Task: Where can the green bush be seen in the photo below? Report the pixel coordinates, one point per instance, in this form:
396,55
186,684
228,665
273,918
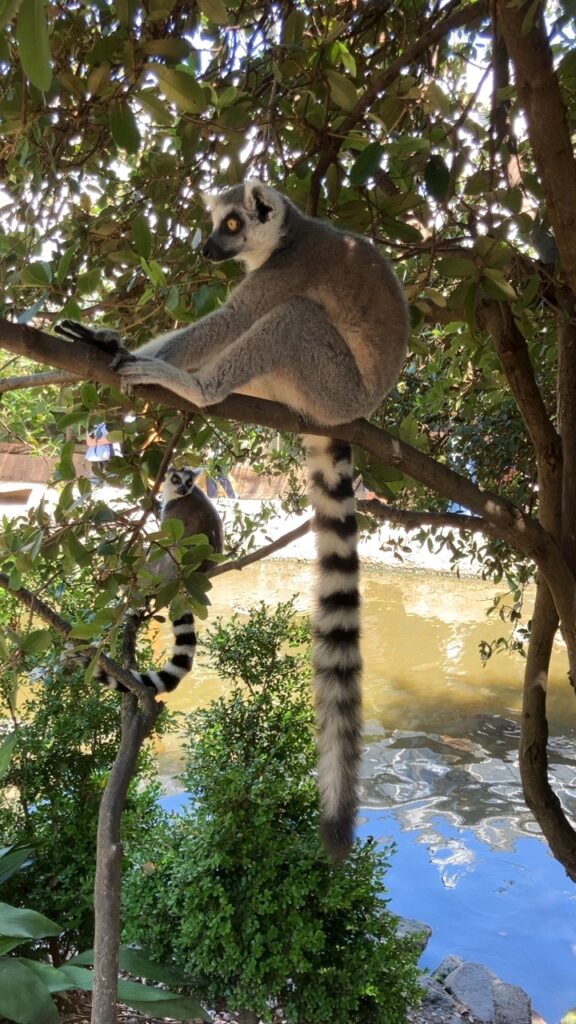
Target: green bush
240,893
66,734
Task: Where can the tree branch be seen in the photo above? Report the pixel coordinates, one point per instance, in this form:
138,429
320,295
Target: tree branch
540,95
507,521
412,520
37,380
380,82
51,617
512,349
268,549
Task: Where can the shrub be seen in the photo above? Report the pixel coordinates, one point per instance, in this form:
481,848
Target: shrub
66,737
240,893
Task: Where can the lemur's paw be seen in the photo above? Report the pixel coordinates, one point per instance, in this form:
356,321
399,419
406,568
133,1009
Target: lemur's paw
103,338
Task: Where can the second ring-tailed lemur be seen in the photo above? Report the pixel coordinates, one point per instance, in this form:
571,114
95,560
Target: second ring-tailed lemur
183,500
319,323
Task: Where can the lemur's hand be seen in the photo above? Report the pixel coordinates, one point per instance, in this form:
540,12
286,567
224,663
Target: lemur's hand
103,338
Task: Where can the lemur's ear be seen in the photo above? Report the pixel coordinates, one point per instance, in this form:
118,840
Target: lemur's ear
172,468
261,199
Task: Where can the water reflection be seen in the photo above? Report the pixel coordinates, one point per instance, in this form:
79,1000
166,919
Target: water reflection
440,773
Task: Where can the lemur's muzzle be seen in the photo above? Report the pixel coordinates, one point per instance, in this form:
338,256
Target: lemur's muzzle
213,251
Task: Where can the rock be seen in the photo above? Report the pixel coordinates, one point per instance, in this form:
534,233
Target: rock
435,995
471,984
511,1004
449,964
409,926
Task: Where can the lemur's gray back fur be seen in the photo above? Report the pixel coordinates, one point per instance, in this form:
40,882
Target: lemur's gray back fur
319,323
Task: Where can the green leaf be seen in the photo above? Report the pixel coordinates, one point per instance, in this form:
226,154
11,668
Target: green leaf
179,88
60,979
90,397
293,28
496,285
173,529
138,963
12,858
124,128
38,273
89,282
141,236
64,264
18,922
455,266
342,90
170,49
6,750
366,164
23,996
437,178
32,36
160,1001
214,10
37,641
65,468
85,630
8,9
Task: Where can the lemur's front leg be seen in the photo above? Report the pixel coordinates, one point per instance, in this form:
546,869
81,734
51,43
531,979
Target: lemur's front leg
134,368
111,342
147,370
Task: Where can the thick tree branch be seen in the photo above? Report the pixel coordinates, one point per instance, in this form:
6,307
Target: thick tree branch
512,349
138,721
538,792
507,521
541,98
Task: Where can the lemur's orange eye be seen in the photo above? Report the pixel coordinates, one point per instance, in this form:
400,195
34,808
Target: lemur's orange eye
232,224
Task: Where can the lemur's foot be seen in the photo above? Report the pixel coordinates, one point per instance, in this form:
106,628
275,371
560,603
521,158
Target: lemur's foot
103,338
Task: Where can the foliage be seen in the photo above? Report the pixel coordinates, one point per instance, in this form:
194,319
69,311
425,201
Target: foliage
239,892
64,735
116,116
28,981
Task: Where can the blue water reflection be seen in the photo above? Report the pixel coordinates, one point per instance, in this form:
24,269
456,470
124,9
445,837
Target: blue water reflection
469,860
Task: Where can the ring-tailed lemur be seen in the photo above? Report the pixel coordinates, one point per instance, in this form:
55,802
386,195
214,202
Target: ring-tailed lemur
181,499
319,323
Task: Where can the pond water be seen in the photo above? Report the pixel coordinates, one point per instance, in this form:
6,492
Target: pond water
440,774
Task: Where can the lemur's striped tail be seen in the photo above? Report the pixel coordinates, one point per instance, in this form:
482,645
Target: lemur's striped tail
181,660
336,641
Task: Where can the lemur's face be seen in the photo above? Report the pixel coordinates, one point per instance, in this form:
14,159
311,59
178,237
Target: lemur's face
247,222
178,482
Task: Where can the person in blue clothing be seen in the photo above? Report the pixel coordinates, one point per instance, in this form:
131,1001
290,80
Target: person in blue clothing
98,447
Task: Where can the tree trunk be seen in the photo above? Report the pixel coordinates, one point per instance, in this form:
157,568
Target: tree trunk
538,793
137,723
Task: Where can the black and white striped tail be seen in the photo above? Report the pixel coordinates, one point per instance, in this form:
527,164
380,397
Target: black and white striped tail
336,641
181,661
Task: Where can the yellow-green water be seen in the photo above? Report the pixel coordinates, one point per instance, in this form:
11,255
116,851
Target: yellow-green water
421,636
440,774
